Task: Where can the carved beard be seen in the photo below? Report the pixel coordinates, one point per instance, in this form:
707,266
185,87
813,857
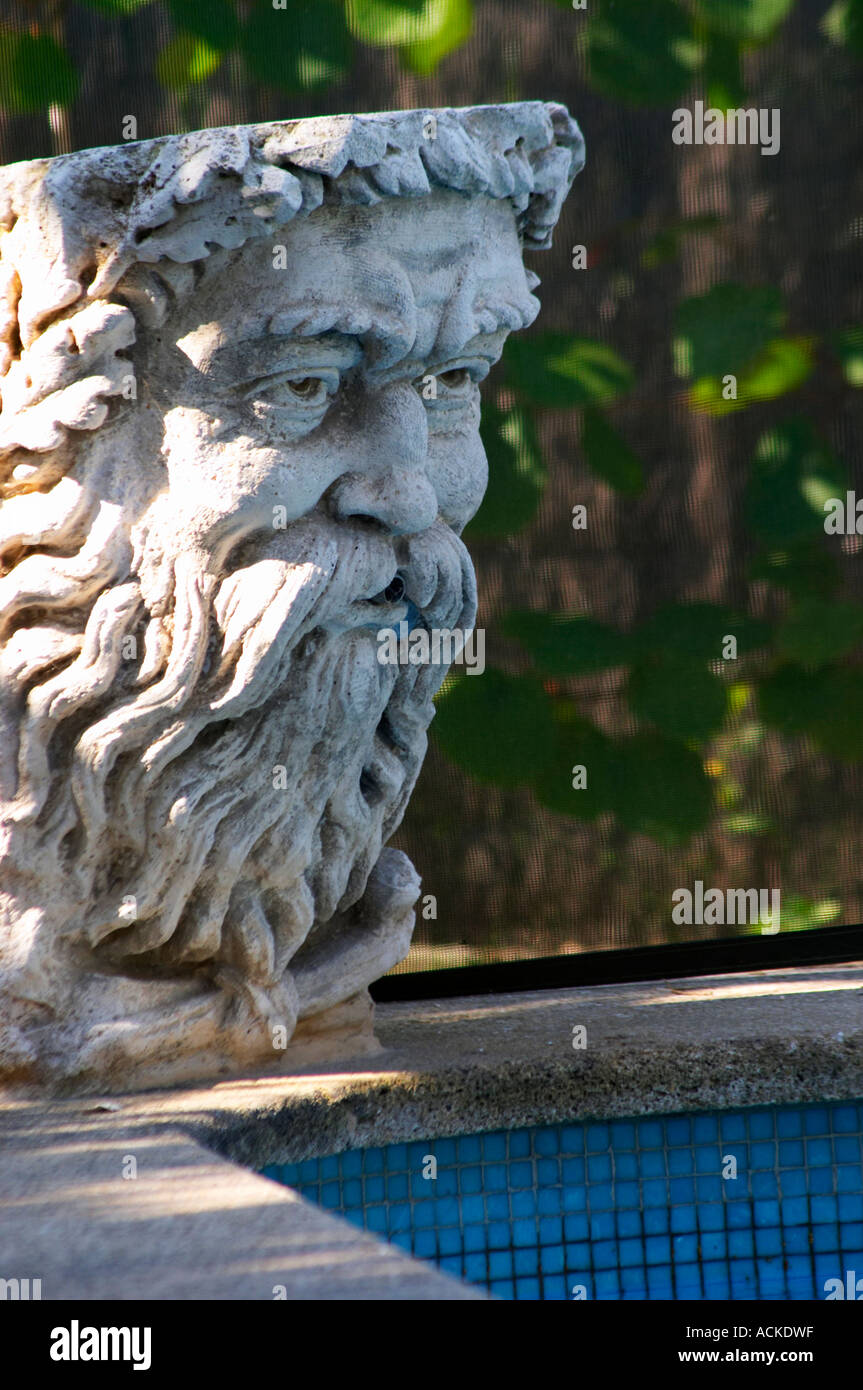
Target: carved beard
229,816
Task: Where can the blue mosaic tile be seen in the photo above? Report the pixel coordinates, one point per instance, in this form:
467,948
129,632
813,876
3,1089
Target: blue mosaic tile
761,1125
628,1223
525,1204
625,1166
526,1261
678,1130
652,1163
656,1220
789,1123
469,1149
470,1180
623,1136
632,1209
711,1216
494,1147
546,1142
519,1143
553,1259
575,1227
794,1183
597,1138
683,1218
650,1134
475,1237
602,1225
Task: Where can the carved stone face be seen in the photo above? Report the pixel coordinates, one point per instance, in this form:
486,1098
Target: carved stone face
205,757
318,407
262,414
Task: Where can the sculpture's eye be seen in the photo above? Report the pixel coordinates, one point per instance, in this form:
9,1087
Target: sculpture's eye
309,395
307,388
456,378
453,388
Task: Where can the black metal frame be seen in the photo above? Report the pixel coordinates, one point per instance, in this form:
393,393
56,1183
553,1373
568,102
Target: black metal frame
725,955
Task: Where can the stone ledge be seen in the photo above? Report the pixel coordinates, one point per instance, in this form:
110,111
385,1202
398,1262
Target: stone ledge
502,1061
194,1225
189,1226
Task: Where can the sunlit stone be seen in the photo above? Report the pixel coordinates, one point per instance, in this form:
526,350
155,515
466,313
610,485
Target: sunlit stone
219,449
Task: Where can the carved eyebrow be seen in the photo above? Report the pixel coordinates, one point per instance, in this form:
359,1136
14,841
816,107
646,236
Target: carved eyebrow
331,334
389,332
424,258
484,346
256,358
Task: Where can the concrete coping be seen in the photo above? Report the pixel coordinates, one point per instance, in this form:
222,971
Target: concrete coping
152,1196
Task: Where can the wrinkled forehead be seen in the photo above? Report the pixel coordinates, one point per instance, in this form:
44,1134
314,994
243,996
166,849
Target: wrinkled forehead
410,278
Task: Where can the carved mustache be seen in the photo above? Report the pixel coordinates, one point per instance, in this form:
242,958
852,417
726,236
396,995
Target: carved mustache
234,643
323,575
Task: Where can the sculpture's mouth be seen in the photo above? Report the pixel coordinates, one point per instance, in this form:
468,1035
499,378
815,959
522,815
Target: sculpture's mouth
392,761
410,600
383,775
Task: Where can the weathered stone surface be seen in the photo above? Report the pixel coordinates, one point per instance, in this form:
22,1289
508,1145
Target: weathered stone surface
214,460
194,1226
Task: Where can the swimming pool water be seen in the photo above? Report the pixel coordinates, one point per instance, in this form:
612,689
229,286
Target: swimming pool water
747,1204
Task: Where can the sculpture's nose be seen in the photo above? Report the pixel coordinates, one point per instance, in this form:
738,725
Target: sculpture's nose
386,478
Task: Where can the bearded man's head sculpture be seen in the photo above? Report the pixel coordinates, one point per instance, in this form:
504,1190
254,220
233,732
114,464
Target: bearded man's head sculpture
216,459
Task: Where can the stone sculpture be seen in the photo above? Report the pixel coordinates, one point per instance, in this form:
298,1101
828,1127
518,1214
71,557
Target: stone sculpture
220,476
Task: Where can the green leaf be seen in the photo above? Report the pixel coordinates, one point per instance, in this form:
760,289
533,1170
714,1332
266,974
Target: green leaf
683,699
116,9
849,348
816,632
609,456
722,75
559,371
659,788
826,704
567,646
423,55
35,72
723,330
793,474
303,47
802,914
186,60
806,569
783,366
747,823
790,699
747,21
386,23
215,21
667,243
843,23
497,727
695,632
838,724
516,473
641,53
578,744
